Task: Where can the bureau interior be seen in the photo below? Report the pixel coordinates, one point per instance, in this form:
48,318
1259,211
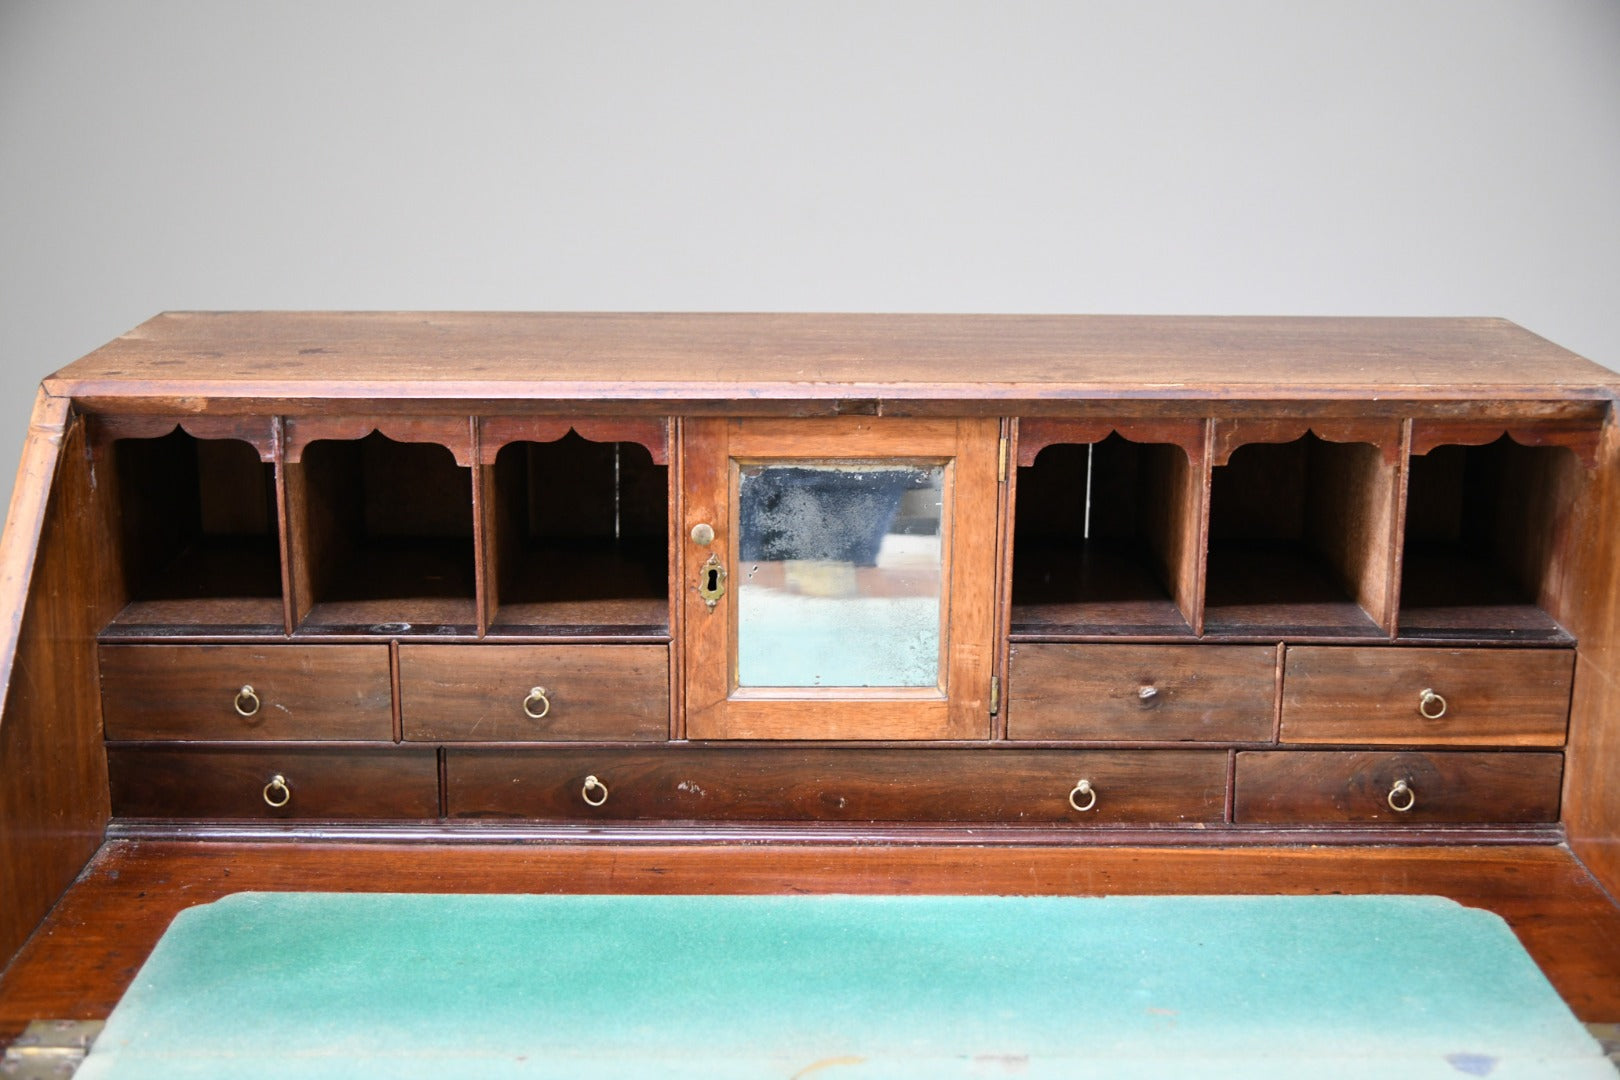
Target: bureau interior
1299,540
199,534
1480,555
382,532
581,538
1100,539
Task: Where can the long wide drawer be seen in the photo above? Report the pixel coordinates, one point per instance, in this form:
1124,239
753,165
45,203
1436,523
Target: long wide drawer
839,784
1142,692
246,692
1322,787
534,693
1399,695
274,782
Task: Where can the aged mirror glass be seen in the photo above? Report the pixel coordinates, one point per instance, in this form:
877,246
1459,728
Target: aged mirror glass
838,574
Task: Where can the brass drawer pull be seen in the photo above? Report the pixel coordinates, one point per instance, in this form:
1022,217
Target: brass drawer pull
1427,702
1147,694
537,696
276,793
247,702
1402,790
1083,790
592,784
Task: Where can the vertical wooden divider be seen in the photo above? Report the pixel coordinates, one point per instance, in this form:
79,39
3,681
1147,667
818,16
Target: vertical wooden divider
484,590
1205,478
676,564
1397,549
293,487
289,611
1002,664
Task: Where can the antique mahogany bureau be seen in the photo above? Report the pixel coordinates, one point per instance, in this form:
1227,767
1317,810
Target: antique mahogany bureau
1062,581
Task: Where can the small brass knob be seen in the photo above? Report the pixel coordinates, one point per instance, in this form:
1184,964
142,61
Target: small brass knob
537,697
595,787
703,534
1147,693
1431,704
247,702
276,793
1401,797
1083,790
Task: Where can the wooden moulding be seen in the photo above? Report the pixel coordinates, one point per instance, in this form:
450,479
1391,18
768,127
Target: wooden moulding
495,432
261,432
455,433
1581,435
1037,433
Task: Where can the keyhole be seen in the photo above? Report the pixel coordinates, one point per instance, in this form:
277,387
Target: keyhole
714,581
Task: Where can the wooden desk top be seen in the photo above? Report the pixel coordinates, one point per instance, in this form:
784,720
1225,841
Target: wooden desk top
994,360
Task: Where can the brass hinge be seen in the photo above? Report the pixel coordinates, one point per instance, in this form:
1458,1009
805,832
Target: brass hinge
995,694
49,1049
1001,461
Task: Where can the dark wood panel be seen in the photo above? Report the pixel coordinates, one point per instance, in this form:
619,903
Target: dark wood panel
1486,697
461,692
843,784
238,784
1142,692
1311,787
53,796
290,691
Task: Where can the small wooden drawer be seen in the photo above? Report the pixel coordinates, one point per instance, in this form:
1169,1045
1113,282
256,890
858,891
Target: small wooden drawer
242,784
840,784
534,693
1325,787
1406,696
242,692
1222,693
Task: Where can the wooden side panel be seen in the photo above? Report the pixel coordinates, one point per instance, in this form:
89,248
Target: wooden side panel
1351,508
53,801
840,784
1486,697
1142,692
287,692
1589,605
487,693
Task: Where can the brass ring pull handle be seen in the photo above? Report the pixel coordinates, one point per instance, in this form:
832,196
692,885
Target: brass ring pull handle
537,696
1401,790
592,784
1431,705
276,793
1083,790
247,702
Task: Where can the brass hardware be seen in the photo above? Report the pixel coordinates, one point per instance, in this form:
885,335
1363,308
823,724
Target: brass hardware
995,694
277,787
537,696
712,581
1001,461
246,693
1147,694
49,1048
1401,787
593,784
1426,701
703,534
1086,791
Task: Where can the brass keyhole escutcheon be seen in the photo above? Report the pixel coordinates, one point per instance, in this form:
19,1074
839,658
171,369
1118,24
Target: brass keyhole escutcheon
712,581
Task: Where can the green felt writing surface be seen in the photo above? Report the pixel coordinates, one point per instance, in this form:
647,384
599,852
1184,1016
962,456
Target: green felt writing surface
379,985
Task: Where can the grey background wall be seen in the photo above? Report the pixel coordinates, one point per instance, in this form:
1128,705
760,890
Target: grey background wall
1257,156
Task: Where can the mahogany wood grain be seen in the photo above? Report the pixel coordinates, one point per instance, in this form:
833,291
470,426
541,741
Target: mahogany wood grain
454,433
1232,434
260,432
1580,434
1319,787
1039,432
91,946
323,783
326,361
1147,692
793,783
592,692
53,798
187,692
1493,697
496,432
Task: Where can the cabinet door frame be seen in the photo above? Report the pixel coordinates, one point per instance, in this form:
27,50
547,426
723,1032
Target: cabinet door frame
959,707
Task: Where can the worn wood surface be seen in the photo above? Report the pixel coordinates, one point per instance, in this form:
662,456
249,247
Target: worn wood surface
185,692
1311,787
92,944
841,784
721,358
1492,697
592,692
323,783
1148,692
53,779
